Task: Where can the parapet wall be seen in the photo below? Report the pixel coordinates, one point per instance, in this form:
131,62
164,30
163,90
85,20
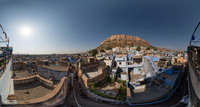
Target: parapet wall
24,80
19,65
63,63
54,98
33,78
51,73
102,75
85,67
5,82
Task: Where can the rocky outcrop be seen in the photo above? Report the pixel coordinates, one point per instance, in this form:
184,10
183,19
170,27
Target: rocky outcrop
122,41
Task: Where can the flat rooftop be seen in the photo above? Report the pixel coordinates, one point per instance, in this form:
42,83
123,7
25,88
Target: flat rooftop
150,93
172,77
92,73
55,67
35,90
134,77
20,74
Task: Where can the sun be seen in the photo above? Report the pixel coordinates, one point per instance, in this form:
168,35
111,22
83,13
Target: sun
26,31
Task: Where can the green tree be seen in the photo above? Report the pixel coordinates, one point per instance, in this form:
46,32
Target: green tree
14,69
148,48
109,48
154,48
102,50
138,48
92,87
94,52
122,89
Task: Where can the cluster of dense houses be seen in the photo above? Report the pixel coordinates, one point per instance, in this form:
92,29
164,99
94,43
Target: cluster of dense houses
142,68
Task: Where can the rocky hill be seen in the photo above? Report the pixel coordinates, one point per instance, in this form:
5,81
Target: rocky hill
123,40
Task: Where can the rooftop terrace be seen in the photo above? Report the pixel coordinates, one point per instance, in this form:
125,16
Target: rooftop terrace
20,74
171,77
148,94
33,89
55,67
92,73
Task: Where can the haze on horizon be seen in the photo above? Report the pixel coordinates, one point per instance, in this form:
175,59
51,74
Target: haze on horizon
64,26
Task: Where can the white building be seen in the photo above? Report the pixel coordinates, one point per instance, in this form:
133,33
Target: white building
108,62
124,62
116,49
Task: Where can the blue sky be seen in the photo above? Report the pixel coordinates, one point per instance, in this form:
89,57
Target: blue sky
70,26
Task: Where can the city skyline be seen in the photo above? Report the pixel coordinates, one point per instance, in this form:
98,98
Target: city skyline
72,26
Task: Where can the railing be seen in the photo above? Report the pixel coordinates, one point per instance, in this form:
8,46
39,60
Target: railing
194,58
4,60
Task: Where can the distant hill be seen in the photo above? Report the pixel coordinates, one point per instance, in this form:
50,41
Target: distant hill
122,41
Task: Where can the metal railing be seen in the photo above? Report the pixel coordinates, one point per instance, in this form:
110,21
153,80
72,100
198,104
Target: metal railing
194,58
6,52
4,60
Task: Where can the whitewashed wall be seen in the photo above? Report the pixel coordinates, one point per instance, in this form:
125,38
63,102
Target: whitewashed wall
5,82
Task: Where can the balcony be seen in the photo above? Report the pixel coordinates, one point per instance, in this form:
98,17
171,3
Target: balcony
4,59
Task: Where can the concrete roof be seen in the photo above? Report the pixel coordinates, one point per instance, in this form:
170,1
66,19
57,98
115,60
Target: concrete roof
149,94
56,68
91,74
172,77
32,88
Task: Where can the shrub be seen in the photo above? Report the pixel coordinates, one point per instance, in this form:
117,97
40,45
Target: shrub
122,89
124,83
109,48
93,52
92,87
102,50
148,48
95,91
103,82
154,48
2,63
112,80
138,48
14,69
122,92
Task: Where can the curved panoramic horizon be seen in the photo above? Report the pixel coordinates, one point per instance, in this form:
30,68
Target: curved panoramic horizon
46,27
